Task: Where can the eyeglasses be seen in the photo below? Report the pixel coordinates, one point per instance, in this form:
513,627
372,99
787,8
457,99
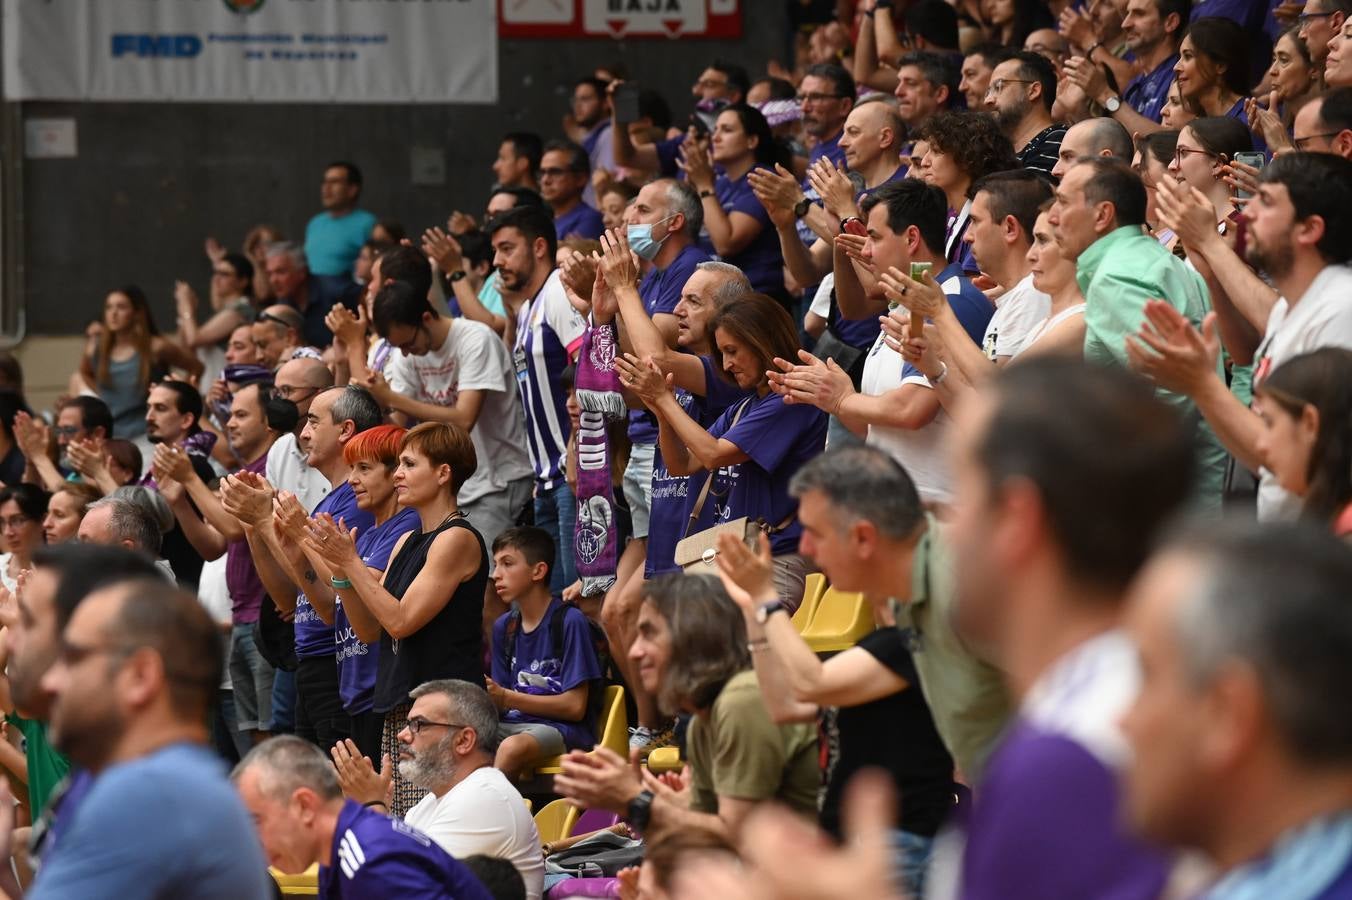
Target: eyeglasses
418,723
1302,142
67,430
998,84
15,522
1306,17
1181,152
287,391
818,98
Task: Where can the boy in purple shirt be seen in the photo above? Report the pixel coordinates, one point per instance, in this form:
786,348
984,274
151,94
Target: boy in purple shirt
545,670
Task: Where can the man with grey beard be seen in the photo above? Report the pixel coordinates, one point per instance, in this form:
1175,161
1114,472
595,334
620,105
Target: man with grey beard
447,750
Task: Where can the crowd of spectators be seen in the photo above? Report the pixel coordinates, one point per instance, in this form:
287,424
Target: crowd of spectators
1026,325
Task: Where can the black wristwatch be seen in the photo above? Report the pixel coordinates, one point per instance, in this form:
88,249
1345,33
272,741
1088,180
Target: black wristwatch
640,809
766,610
801,207
457,275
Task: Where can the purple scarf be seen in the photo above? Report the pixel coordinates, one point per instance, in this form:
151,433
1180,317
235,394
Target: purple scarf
595,542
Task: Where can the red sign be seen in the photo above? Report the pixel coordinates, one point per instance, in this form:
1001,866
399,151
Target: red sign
619,19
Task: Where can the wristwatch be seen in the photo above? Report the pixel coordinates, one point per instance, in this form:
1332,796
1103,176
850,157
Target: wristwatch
766,610
640,809
457,275
801,207
1112,104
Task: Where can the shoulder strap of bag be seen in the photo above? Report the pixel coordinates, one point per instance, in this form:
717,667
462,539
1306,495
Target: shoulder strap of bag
709,479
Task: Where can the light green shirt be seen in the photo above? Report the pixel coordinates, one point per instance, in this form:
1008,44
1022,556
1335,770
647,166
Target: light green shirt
966,696
737,751
1117,274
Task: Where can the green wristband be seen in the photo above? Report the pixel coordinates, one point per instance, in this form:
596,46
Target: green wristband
341,584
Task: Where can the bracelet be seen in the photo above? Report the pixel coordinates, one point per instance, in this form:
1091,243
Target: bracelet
703,194
341,584
753,646
943,373
370,803
1089,54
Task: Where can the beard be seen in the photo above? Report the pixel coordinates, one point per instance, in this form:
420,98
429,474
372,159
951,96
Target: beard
1276,260
1007,118
434,766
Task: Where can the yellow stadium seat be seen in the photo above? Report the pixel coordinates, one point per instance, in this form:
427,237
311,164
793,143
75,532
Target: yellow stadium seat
306,884
840,621
813,589
665,759
555,820
613,732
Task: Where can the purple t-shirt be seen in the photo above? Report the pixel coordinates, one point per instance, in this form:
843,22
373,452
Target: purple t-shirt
670,511
313,637
376,856
246,588
580,221
778,438
1048,822
535,667
761,261
660,291
357,660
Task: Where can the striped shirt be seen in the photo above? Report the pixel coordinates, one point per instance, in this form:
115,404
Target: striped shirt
1042,150
548,333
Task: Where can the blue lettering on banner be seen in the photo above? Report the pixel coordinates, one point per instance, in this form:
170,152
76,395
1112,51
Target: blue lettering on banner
181,46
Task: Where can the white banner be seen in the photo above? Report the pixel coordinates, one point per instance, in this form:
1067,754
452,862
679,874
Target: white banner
278,51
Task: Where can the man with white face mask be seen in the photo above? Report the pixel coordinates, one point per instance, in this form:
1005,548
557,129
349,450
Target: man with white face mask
662,225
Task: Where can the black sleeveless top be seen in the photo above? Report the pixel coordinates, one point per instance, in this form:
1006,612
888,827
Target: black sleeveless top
448,646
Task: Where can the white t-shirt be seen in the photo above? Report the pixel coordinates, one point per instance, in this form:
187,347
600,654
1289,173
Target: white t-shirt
1017,312
484,814
214,595
920,451
1321,318
286,471
473,357
821,301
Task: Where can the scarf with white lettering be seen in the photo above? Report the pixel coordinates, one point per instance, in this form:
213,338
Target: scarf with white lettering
595,541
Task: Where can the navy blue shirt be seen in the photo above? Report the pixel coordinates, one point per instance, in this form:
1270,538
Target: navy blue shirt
1147,92
322,295
376,856
313,637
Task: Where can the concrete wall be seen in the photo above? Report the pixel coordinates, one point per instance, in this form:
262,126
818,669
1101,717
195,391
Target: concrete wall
152,180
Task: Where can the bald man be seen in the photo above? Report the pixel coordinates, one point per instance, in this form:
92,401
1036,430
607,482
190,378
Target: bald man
871,139
1093,137
299,381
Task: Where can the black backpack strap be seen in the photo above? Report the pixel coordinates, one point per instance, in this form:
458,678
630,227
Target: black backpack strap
512,627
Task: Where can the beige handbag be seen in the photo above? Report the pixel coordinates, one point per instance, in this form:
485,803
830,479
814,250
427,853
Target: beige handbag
697,552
